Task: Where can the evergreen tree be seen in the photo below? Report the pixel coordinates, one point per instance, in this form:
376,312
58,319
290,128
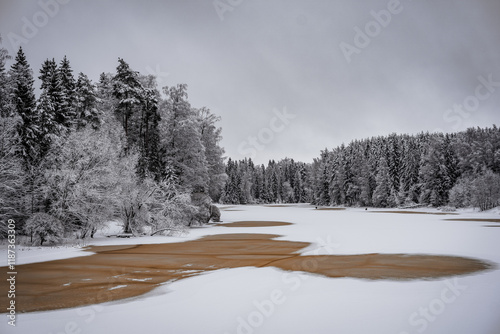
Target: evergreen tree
232,188
393,156
149,137
68,93
53,94
108,104
433,175
382,193
23,97
6,109
181,140
86,103
48,128
127,89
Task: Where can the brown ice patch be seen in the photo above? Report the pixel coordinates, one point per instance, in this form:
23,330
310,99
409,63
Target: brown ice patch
225,208
483,220
417,212
118,272
384,266
330,209
255,224
279,205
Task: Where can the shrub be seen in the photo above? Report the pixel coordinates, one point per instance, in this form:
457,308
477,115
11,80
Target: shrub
44,227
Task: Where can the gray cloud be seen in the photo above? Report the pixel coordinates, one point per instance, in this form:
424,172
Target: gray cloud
274,54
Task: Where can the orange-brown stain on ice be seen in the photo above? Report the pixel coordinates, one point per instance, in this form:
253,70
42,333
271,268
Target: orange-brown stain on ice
117,272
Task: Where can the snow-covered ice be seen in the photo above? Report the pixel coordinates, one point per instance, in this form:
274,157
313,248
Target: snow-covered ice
268,300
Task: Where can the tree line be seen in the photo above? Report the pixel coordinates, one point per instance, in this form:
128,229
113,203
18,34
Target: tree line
456,170
82,153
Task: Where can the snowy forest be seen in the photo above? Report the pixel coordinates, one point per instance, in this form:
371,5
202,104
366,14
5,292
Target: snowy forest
441,170
84,153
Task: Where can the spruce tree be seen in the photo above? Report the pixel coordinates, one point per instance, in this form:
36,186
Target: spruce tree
107,102
5,101
149,136
23,96
382,193
68,93
46,122
86,103
127,89
52,92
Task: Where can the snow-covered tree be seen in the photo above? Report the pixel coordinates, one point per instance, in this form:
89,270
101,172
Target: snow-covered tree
108,103
382,196
211,137
48,128
148,134
486,190
127,90
23,97
87,174
68,93
6,108
87,101
44,227
12,173
54,98
181,140
460,196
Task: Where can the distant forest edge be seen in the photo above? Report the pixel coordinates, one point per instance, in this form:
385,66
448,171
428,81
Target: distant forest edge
457,170
83,153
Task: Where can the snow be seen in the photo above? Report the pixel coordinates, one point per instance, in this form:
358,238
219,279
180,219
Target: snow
267,300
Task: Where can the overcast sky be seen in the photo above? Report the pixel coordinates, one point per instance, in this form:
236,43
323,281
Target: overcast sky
289,77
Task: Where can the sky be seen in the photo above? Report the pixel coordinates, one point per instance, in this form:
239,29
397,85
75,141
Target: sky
288,78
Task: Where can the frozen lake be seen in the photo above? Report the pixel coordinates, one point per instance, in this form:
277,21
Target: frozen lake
270,300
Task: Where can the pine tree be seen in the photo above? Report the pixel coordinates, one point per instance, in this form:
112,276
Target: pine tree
232,188
53,93
382,193
150,162
48,128
433,175
393,156
108,104
6,109
68,93
25,106
86,103
127,89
